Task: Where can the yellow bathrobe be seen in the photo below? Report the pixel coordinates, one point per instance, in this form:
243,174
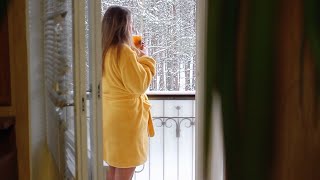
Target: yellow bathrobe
127,120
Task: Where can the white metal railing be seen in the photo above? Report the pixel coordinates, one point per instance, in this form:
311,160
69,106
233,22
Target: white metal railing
172,150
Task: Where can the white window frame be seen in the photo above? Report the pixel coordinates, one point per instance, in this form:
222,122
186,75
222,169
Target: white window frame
80,90
95,54
200,85
94,14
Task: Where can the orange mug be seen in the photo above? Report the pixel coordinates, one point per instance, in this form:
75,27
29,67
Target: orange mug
137,41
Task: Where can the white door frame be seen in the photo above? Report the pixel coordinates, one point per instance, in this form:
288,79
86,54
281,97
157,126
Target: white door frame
200,89
95,53
81,145
94,14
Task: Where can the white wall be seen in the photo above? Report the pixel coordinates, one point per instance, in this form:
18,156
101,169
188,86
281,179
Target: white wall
42,166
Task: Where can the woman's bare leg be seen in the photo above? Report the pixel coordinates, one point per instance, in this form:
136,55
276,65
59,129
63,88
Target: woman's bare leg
111,173
124,173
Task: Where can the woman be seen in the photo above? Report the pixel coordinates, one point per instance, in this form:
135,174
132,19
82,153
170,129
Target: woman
127,73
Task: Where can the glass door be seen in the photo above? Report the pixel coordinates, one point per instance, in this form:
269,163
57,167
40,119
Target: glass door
71,68
93,77
63,87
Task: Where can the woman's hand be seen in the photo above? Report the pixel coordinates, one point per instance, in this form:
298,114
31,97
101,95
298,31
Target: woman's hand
142,50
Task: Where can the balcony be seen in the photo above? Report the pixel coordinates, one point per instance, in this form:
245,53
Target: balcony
172,150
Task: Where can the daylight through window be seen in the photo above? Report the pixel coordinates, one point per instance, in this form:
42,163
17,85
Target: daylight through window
169,31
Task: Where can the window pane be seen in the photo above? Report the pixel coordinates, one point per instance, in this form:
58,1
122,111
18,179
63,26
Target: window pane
169,31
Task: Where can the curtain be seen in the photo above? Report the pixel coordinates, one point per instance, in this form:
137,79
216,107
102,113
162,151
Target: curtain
246,52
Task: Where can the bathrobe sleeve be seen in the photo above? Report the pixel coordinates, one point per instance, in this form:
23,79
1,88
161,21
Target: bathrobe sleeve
136,73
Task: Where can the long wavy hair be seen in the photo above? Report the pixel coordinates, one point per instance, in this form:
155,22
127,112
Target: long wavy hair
116,29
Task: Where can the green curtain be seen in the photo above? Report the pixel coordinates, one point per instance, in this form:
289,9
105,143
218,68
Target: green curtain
259,83
214,10
248,145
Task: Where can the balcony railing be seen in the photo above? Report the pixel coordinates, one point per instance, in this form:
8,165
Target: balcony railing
172,150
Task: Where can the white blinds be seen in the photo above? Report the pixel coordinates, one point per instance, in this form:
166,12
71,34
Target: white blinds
58,70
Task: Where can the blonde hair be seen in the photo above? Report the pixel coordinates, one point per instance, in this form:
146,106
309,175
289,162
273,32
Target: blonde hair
116,29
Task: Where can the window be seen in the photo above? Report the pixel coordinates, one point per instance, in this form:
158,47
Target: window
168,28
169,31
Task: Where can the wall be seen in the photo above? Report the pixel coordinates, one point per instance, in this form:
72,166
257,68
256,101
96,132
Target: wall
14,88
